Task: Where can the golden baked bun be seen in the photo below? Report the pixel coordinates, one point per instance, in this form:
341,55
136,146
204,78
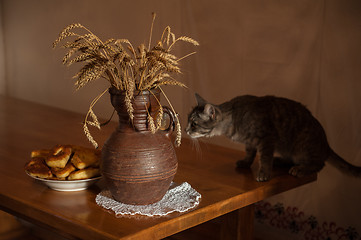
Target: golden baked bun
62,173
36,167
85,157
59,156
40,153
84,174
64,162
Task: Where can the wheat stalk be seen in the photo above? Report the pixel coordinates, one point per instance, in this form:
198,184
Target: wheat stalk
171,82
184,39
159,117
166,32
128,103
151,124
160,112
151,30
62,36
188,39
126,69
129,44
178,138
153,81
178,127
89,136
90,72
80,58
95,121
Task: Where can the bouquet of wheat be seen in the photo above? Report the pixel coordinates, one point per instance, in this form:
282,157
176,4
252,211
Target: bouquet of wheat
126,68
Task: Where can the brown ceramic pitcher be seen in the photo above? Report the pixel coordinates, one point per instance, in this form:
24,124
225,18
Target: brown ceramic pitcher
138,166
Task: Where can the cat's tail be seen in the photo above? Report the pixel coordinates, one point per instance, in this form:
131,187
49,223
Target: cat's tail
344,166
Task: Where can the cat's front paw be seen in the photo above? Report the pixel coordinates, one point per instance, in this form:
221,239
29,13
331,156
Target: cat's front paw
263,176
297,171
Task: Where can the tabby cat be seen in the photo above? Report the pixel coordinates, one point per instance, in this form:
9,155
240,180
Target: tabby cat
267,125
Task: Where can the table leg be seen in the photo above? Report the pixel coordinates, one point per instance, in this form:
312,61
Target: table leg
238,225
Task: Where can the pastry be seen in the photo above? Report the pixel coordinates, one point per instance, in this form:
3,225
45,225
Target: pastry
61,173
40,153
36,167
85,157
84,174
64,162
59,156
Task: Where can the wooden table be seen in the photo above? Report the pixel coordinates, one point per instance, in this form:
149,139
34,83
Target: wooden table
25,126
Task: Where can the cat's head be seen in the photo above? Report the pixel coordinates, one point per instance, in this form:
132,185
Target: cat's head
203,119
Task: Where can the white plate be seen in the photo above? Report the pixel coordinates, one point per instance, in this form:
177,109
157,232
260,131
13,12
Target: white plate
68,185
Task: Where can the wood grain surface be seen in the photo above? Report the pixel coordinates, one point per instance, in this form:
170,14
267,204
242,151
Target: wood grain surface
210,169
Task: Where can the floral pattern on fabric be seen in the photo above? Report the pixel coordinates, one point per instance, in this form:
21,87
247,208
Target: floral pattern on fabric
295,221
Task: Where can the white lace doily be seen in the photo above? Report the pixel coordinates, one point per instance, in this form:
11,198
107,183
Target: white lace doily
179,198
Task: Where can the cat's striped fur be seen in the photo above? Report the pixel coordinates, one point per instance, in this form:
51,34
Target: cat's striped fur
267,125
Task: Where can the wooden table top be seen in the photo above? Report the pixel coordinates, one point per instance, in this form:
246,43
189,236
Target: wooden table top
210,169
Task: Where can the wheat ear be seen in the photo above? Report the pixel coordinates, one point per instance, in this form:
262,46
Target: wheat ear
159,117
178,138
89,136
160,112
151,30
95,121
151,123
178,126
65,33
184,39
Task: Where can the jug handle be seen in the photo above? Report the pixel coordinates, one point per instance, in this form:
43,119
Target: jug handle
171,114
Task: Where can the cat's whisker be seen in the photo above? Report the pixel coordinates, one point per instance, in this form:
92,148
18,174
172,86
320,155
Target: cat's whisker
196,146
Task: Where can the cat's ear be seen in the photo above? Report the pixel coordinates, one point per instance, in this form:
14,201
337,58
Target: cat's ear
200,100
210,111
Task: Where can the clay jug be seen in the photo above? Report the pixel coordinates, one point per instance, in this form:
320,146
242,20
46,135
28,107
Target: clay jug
138,166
